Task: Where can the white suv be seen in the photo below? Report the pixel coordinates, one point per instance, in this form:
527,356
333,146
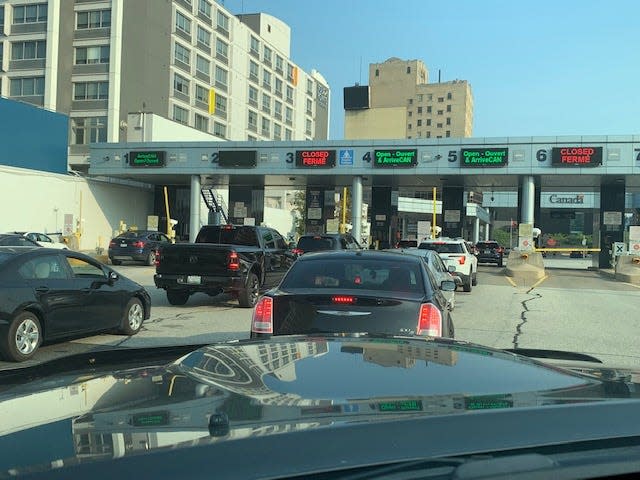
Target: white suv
454,251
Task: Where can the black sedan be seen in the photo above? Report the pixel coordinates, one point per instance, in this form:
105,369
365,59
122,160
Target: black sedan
47,294
137,246
16,240
363,291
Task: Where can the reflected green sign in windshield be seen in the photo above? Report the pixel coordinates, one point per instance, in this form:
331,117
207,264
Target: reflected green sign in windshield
150,419
147,159
395,158
401,406
484,157
488,402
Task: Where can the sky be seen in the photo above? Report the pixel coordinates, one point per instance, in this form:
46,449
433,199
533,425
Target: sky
563,67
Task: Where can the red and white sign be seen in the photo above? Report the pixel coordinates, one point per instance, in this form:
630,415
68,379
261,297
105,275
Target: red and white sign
525,244
634,248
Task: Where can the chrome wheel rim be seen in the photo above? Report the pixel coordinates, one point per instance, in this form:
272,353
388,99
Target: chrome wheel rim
255,291
135,316
27,336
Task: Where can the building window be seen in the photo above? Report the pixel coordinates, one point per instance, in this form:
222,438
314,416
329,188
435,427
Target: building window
377,72
221,76
204,36
307,127
410,114
91,55
222,49
309,107
221,104
428,122
440,112
448,120
290,69
26,87
180,84
409,127
266,55
288,135
252,120
408,69
429,96
429,109
447,133
449,96
201,123
219,130
183,23
428,134
279,64
253,96
277,109
277,131
91,91
203,65
28,50
30,13
182,54
439,125
204,7
419,122
266,103
223,22
419,110
254,46
266,127
88,130
411,101
440,99
279,86
448,108
93,19
420,97
252,138
288,116
309,86
254,71
266,79
181,115
202,94
289,94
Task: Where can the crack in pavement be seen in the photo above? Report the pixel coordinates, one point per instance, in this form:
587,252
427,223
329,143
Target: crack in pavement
523,315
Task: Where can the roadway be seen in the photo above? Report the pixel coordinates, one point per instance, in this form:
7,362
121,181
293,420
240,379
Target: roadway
570,309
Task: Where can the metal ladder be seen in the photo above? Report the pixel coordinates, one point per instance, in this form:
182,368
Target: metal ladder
214,202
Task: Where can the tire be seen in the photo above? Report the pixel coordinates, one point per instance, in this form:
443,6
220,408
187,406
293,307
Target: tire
23,338
151,259
177,297
474,278
500,263
466,284
116,262
452,332
132,318
248,297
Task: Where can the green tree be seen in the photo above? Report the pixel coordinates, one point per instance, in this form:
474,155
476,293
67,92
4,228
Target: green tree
300,210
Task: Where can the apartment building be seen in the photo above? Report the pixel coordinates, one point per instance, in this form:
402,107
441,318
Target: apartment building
399,102
190,61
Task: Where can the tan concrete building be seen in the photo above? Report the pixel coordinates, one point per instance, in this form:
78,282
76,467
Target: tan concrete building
403,104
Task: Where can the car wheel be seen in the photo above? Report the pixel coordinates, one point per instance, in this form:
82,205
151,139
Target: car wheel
500,262
132,318
248,297
466,284
177,297
151,258
452,332
474,278
116,262
23,338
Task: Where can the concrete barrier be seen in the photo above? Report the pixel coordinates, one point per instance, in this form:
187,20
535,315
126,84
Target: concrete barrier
526,266
628,269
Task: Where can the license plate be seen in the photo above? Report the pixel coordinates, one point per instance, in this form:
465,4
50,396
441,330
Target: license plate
194,279
123,244
487,252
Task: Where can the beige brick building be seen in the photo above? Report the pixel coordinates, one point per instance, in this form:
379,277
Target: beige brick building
403,104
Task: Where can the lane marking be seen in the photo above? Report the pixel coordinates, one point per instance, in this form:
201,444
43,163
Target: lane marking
631,285
513,284
539,282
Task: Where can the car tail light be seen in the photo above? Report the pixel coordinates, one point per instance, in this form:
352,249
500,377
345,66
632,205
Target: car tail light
262,321
430,320
233,261
158,255
343,299
461,260
112,243
227,227
500,250
297,251
138,244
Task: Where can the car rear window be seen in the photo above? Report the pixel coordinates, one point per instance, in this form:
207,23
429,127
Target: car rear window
487,244
442,247
129,235
316,243
408,243
355,274
246,236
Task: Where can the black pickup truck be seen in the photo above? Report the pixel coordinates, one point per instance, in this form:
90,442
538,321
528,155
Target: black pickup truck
240,260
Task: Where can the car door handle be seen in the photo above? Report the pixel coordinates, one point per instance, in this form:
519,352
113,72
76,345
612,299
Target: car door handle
42,289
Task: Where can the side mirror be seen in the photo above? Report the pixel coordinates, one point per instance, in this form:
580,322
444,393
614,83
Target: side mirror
113,276
447,285
451,268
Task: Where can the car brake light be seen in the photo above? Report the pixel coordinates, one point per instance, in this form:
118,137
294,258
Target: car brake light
262,321
297,251
157,260
461,260
227,227
234,261
138,244
112,243
430,320
500,250
343,299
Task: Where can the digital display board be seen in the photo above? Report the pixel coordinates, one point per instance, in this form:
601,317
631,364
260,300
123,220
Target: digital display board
147,159
395,158
356,98
484,157
576,156
238,158
315,158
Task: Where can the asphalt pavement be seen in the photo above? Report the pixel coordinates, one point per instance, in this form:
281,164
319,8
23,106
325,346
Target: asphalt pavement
570,309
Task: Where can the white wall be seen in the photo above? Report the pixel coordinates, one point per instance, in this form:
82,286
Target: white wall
148,127
38,201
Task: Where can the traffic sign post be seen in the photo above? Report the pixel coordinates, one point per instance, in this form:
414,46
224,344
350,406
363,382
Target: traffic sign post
619,249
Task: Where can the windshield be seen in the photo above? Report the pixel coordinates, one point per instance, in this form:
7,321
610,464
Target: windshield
442,247
228,236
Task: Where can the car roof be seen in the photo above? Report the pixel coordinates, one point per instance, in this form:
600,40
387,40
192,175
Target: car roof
373,255
19,250
332,235
444,239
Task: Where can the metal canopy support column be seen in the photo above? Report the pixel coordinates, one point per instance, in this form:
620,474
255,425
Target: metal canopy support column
356,208
194,208
476,231
527,200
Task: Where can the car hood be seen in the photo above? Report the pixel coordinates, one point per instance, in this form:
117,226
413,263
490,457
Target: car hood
253,388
